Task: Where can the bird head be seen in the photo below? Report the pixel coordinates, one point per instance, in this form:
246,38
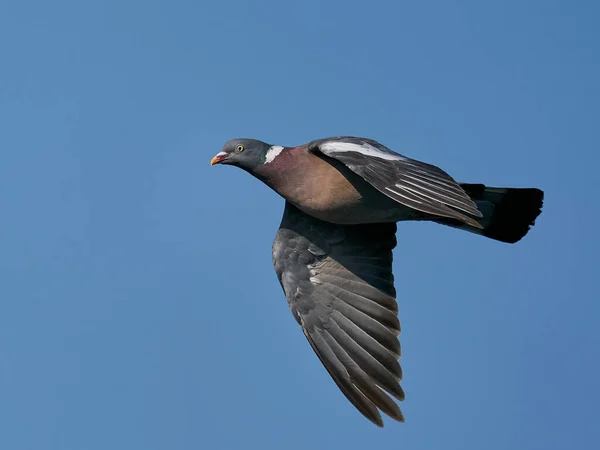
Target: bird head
244,153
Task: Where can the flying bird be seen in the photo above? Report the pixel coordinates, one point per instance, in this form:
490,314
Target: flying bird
333,251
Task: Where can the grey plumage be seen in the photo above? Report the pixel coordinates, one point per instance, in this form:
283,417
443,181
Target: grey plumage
339,285
412,183
333,250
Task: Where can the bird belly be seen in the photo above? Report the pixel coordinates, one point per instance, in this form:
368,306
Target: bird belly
357,213
348,200
331,192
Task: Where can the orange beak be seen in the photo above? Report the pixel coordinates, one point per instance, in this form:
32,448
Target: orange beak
218,158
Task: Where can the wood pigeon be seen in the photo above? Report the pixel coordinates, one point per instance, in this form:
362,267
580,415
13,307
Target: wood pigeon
333,251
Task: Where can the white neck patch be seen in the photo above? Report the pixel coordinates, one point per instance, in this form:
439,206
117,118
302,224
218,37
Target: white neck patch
272,153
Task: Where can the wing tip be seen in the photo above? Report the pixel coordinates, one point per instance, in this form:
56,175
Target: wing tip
379,421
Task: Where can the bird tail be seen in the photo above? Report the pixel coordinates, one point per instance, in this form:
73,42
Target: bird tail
508,213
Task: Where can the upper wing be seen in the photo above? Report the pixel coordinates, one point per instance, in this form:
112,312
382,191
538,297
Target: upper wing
412,183
339,285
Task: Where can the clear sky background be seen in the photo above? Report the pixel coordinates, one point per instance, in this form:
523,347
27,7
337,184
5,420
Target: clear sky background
138,305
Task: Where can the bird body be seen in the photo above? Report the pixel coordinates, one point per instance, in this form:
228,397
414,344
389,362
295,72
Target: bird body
333,251
329,191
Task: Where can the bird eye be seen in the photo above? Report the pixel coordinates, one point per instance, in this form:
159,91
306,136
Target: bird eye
239,149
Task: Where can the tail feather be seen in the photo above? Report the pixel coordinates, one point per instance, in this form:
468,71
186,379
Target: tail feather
508,213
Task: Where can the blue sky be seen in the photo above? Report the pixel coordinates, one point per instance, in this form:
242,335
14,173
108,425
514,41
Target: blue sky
138,305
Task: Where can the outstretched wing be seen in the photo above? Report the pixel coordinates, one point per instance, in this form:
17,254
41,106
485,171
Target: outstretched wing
412,183
339,285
